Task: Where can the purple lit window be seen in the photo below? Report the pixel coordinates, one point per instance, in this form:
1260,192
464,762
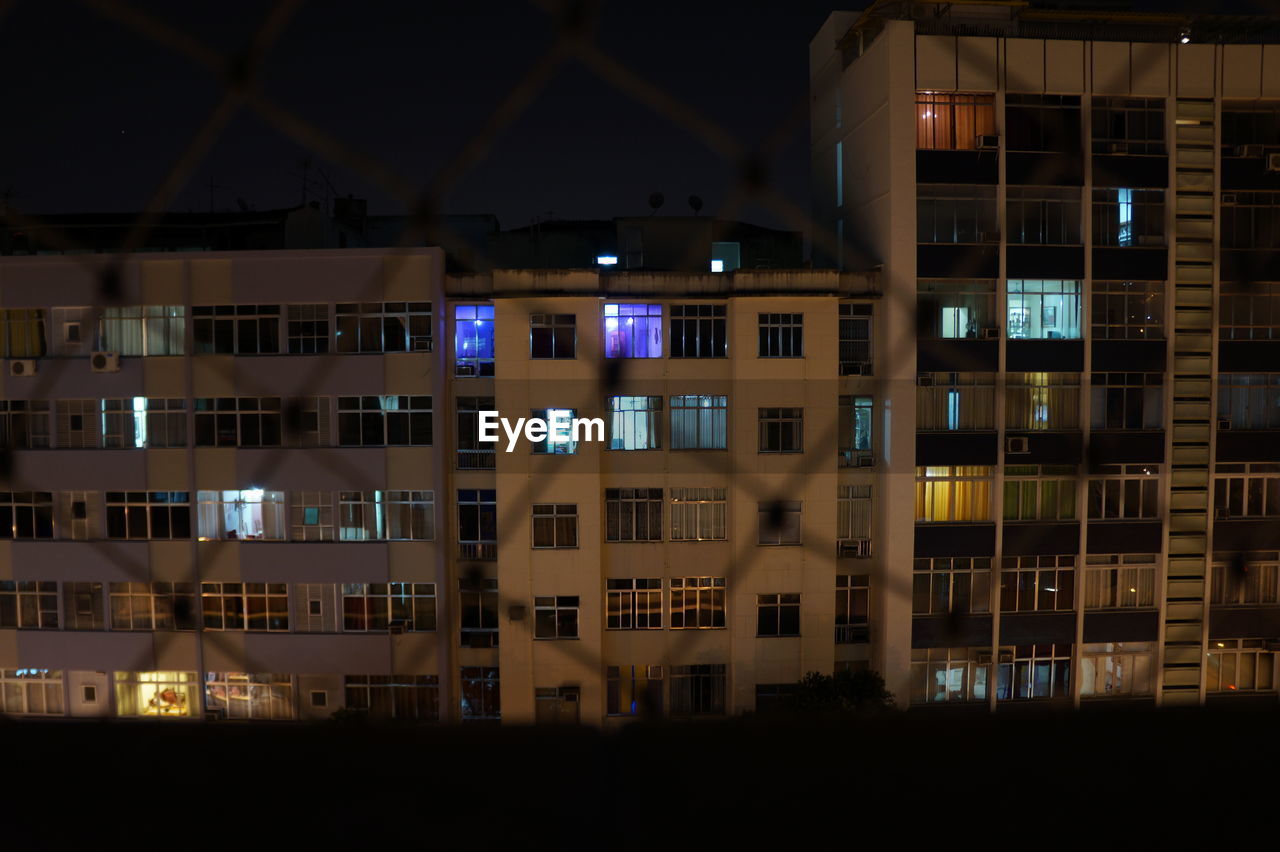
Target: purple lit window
473,340
633,331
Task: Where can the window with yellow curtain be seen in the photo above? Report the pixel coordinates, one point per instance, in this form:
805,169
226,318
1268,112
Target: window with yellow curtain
959,493
953,121
1036,401
22,333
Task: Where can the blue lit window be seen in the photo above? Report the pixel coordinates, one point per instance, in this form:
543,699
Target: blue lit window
633,331
473,340
559,443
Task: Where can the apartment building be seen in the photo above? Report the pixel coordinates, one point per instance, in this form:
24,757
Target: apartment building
251,485
1075,216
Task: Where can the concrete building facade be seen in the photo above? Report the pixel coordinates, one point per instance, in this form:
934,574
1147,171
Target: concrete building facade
1072,214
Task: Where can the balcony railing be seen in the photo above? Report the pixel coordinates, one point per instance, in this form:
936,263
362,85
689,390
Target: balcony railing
477,459
478,551
852,634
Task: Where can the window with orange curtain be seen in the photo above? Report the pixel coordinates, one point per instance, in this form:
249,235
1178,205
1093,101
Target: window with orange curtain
953,121
959,493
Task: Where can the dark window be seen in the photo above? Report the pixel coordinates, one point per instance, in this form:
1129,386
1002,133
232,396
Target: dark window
699,331
553,335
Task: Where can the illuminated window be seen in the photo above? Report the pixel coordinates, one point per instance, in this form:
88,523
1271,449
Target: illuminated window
31,692
635,422
957,309
940,675
140,423
473,344
953,494
1120,581
1044,310
1116,668
632,331
1128,217
559,440
248,515
163,694
239,695
953,121
1235,665
953,402
855,419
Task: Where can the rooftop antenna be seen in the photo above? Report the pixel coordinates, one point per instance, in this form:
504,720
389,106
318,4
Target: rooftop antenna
695,202
656,200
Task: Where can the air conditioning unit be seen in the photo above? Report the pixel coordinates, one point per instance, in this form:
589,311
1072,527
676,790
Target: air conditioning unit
991,332
105,362
924,380
1221,514
857,548
1224,425
1150,240
866,460
987,142
571,697
1228,198
859,369
24,367
1273,162
1016,446
396,628
420,343
464,369
1251,151
1119,148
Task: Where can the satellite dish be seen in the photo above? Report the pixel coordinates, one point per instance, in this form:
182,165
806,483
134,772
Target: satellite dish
656,200
695,202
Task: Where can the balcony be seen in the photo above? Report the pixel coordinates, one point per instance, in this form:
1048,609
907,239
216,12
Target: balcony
477,459
478,551
852,634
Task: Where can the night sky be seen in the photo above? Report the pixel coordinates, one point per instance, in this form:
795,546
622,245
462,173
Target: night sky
96,114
